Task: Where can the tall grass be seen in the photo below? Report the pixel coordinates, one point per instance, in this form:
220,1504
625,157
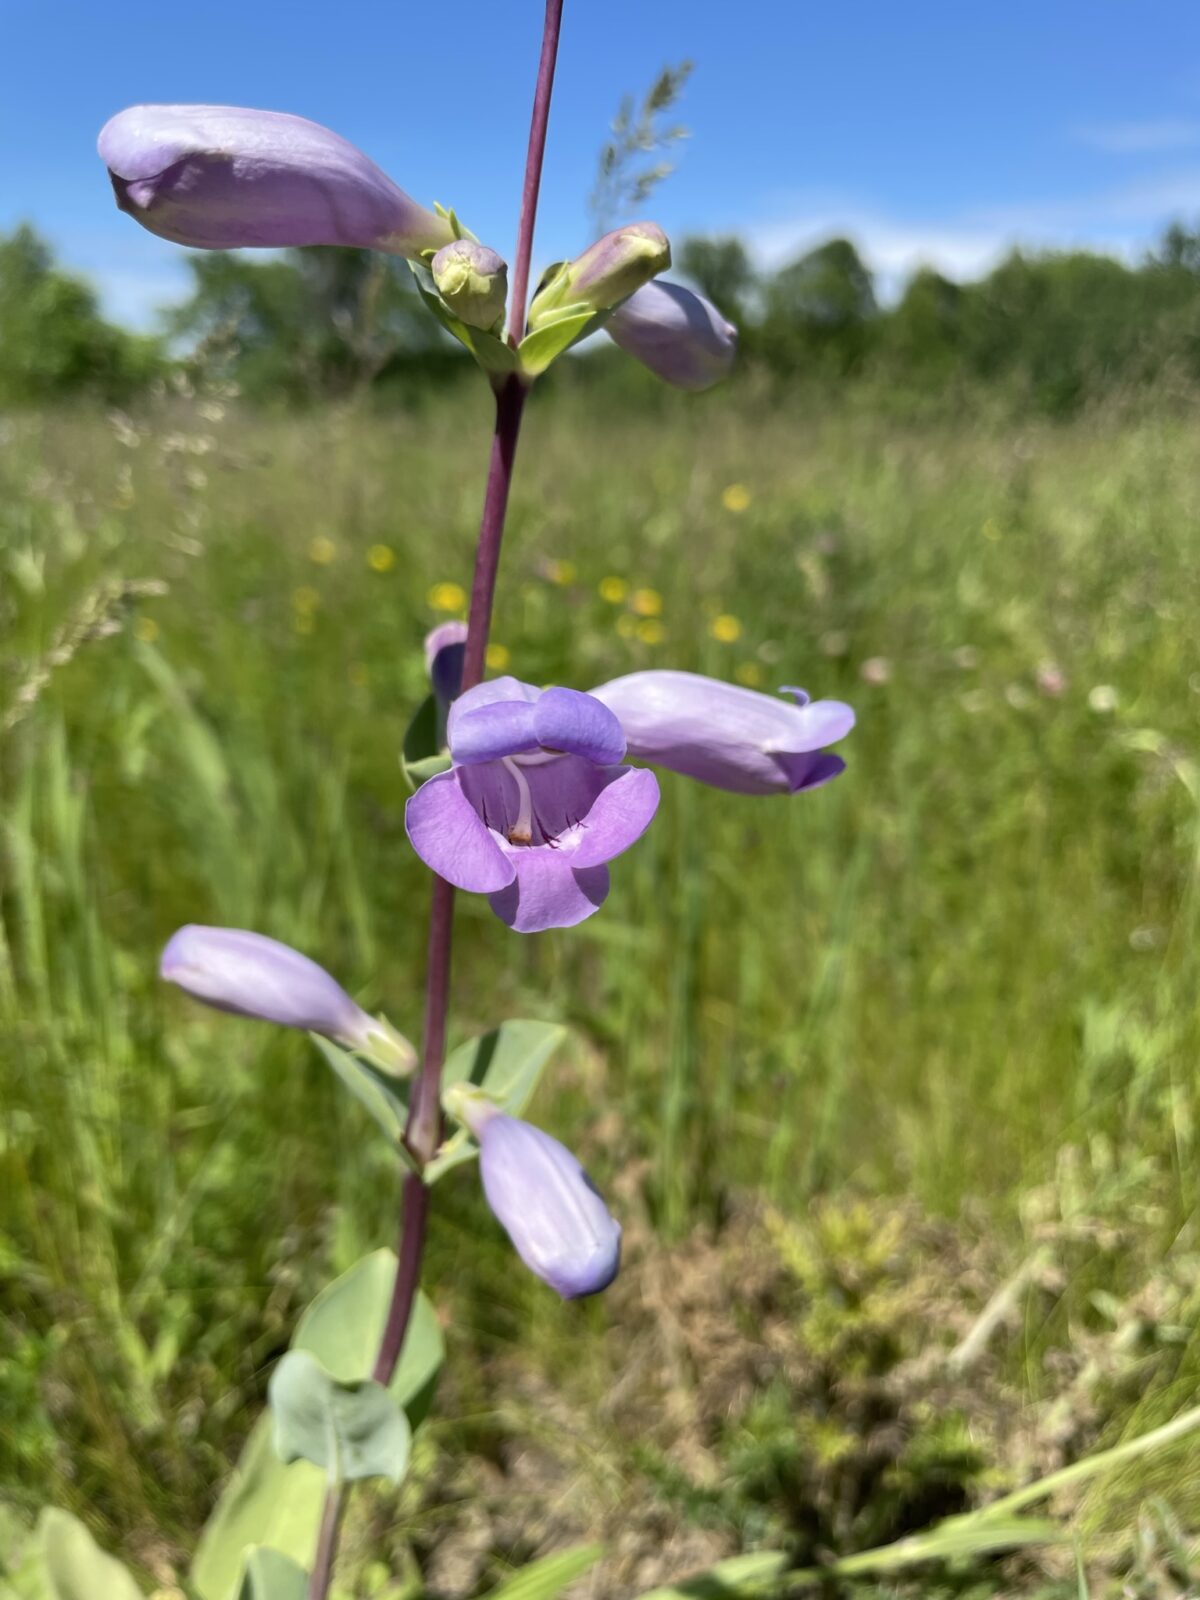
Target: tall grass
965,974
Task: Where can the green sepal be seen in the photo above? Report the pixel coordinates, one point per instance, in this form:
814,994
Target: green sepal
495,357
270,1575
539,349
349,1430
423,753
380,1094
451,216
504,1064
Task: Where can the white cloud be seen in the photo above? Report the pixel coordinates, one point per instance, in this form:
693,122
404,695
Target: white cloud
1140,138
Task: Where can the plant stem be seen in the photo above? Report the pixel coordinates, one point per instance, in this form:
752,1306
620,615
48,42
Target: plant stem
533,169
423,1132
331,1521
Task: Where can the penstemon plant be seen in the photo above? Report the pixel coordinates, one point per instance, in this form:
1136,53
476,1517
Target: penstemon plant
520,793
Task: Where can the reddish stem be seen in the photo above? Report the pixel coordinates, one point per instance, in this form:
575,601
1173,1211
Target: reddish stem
533,169
423,1132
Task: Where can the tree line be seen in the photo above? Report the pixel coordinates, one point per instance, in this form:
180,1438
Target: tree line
1052,329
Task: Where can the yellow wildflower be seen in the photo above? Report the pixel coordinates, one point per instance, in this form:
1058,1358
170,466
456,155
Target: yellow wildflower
613,590
725,628
321,550
561,572
748,673
498,656
381,558
735,497
447,597
647,602
651,631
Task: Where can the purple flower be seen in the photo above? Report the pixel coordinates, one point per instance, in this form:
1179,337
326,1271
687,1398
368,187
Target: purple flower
535,805
679,335
472,280
445,652
253,976
546,1203
220,177
606,273
729,737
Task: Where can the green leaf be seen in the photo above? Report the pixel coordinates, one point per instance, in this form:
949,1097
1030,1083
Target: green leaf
729,1580
506,1064
423,753
344,1325
75,1565
351,1430
491,352
267,1503
268,1575
264,1503
537,350
542,1580
381,1095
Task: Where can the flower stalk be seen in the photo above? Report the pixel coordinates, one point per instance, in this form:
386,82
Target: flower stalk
423,1132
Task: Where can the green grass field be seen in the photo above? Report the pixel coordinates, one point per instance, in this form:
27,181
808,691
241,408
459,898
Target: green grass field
850,1066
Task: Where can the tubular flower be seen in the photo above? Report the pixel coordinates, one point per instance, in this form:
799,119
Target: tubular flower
606,273
546,1203
535,805
222,177
445,652
235,970
729,737
679,335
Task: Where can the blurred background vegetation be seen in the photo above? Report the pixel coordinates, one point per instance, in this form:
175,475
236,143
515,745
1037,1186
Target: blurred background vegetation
894,1086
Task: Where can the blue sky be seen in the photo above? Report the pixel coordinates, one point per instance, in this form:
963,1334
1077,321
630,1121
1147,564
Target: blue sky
928,132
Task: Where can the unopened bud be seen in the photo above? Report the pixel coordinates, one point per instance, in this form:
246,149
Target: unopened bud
473,281
607,272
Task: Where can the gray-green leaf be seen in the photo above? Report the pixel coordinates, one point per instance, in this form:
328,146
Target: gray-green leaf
268,1575
350,1430
539,349
506,1064
382,1096
75,1565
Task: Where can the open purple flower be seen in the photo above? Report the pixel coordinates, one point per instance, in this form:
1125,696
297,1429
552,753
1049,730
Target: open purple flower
222,177
680,336
730,737
536,803
556,1218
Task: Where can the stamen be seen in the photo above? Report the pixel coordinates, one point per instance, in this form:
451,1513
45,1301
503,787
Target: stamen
521,831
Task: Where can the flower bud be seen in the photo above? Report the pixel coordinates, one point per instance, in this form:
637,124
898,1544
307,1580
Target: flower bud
679,335
606,273
473,281
445,653
222,177
545,1201
246,973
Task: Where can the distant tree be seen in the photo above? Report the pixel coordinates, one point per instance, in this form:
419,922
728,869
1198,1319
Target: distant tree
720,268
314,323
53,340
923,333
1179,249
821,310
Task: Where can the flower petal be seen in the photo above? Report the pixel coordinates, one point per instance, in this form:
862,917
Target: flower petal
490,732
679,335
730,737
566,720
813,770
547,892
221,177
449,836
619,815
